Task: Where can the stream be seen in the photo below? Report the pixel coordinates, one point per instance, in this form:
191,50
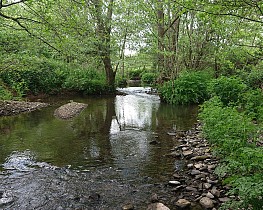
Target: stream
113,154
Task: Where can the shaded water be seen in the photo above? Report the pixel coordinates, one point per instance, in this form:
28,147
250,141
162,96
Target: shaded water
102,159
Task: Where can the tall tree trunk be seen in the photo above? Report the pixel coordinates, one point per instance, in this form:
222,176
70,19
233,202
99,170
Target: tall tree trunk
104,39
160,19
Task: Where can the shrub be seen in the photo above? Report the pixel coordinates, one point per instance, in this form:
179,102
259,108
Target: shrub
86,81
135,74
233,137
228,89
255,78
34,75
5,94
189,88
149,78
252,104
225,126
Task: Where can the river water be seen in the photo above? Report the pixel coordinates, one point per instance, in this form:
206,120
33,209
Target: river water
114,153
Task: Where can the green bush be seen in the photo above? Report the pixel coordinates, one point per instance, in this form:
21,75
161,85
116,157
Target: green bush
135,74
149,78
233,137
189,88
255,78
228,89
252,104
34,75
86,81
224,126
5,94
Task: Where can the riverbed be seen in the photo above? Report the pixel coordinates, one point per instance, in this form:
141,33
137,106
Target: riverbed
114,153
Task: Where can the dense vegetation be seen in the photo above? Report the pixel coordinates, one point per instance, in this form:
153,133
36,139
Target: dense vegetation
202,52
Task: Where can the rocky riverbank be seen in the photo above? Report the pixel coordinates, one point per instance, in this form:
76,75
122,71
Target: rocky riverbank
8,108
194,184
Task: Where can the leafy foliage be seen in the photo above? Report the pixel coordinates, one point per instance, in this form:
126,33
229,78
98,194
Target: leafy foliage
87,81
228,89
149,78
189,88
234,137
34,75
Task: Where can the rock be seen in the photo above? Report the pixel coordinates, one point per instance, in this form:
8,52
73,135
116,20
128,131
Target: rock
187,152
128,207
200,176
215,192
183,203
203,157
69,110
6,198
198,165
189,188
171,133
195,172
154,198
174,182
210,195
207,185
206,203
177,188
157,206
176,176
212,181
190,165
225,199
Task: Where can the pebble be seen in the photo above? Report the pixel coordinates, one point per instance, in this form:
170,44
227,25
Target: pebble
206,202
174,182
157,206
195,172
210,195
215,192
183,203
128,207
207,185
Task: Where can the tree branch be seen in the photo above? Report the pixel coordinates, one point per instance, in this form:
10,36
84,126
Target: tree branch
17,21
223,14
10,4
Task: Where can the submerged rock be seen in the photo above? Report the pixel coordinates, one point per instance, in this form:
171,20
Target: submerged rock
69,110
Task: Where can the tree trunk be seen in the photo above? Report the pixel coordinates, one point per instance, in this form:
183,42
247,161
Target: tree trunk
104,39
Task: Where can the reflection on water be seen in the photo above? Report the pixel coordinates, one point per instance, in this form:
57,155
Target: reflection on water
113,133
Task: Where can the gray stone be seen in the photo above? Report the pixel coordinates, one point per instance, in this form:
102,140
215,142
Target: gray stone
215,192
128,207
195,172
189,188
183,203
210,195
157,206
225,199
207,185
206,203
202,157
174,182
187,152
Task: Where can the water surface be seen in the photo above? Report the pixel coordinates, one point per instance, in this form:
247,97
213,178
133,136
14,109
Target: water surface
102,159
